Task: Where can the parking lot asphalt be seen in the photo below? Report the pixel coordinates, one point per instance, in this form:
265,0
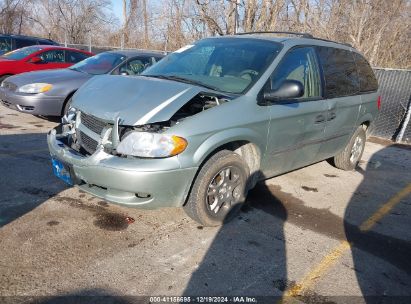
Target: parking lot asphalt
317,234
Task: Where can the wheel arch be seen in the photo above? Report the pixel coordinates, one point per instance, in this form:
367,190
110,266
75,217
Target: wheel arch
6,75
241,141
243,145
66,100
366,121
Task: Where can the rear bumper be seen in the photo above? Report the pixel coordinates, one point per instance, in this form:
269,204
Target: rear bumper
37,104
144,183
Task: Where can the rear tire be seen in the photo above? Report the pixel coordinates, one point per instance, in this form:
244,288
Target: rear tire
219,189
349,158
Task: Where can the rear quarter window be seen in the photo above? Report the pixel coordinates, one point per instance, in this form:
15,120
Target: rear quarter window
45,42
74,57
5,44
368,82
340,72
24,42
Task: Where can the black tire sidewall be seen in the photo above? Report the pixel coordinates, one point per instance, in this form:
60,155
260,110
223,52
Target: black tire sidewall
197,199
67,105
344,161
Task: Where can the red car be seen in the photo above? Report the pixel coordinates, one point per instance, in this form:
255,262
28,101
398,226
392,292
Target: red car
39,57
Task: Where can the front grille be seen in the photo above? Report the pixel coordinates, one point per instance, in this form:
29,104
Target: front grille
92,123
9,86
87,143
6,103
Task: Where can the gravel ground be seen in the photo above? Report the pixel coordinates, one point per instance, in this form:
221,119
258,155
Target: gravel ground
58,241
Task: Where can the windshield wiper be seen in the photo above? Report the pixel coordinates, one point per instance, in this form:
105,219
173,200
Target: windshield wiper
184,80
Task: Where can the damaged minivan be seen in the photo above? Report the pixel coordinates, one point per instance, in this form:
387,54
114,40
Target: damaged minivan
204,125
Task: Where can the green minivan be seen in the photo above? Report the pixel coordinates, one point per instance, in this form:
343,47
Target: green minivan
205,124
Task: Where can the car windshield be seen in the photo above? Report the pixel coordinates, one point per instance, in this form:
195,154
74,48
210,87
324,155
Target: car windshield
99,64
22,53
228,65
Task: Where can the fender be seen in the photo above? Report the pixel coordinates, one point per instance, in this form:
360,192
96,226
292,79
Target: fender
364,118
224,137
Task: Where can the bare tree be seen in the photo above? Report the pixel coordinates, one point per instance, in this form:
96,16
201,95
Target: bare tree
380,29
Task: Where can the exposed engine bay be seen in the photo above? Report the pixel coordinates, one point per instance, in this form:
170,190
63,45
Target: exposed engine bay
84,133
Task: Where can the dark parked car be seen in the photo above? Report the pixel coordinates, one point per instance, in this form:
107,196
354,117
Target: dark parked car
13,42
49,92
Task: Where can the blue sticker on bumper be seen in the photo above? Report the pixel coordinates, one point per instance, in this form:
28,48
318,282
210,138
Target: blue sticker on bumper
61,171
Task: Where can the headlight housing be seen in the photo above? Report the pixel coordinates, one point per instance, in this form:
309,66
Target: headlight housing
70,116
35,88
151,145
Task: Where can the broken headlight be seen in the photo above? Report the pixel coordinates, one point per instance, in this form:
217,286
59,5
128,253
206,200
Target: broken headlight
151,145
70,116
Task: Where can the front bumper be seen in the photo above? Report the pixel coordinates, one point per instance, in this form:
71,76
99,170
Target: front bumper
37,104
145,183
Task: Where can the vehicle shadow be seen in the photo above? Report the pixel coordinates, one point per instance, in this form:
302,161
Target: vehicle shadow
381,251
26,178
56,119
248,255
86,296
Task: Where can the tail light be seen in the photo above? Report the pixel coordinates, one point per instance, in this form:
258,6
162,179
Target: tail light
379,102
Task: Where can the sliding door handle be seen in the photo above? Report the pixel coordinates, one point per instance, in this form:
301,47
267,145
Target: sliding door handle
319,119
331,116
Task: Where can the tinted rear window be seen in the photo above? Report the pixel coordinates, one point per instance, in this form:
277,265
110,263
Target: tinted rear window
46,42
74,57
340,72
24,42
368,82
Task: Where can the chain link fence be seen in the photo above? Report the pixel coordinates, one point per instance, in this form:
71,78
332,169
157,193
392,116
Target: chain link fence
393,120
99,49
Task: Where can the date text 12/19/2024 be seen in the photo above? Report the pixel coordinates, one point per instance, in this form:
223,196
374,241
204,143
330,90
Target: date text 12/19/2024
203,299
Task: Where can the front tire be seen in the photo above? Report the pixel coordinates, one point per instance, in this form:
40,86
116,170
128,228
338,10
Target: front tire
219,189
349,158
67,106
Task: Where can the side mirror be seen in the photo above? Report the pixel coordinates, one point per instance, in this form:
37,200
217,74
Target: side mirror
289,89
36,60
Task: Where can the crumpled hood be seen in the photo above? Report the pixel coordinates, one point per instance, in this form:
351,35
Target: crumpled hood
135,100
47,76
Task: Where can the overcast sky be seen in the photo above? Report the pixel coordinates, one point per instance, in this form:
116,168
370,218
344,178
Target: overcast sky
117,8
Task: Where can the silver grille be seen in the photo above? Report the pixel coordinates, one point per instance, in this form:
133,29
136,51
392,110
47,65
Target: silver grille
87,143
89,140
92,123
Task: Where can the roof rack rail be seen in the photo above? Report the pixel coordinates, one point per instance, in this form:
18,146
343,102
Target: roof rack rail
327,40
304,35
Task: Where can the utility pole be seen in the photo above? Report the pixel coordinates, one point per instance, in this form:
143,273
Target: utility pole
236,17
89,41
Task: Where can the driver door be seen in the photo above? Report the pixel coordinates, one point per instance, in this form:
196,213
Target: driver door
296,126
